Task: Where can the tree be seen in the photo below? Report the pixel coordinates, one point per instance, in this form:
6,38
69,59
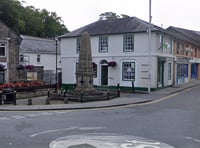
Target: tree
111,16
31,21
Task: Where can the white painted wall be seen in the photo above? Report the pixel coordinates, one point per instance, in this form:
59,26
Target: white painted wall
46,60
115,53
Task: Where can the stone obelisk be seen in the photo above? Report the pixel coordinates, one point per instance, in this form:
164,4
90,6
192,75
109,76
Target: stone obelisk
84,74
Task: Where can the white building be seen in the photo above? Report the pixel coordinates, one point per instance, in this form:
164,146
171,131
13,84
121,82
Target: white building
40,52
120,54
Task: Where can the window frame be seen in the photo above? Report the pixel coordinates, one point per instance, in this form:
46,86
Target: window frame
126,73
3,45
38,58
78,44
103,43
126,43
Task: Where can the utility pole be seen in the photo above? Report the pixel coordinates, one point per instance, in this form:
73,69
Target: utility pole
149,48
56,87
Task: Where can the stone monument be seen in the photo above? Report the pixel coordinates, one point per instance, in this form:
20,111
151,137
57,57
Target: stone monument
84,90
84,74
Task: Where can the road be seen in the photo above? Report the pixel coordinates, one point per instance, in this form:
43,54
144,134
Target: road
174,121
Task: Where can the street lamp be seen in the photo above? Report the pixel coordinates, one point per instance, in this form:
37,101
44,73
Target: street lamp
56,87
149,71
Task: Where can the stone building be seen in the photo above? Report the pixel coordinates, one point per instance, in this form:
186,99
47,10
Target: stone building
9,54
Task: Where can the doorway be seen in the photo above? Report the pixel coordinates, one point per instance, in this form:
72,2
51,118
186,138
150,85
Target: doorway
104,74
161,62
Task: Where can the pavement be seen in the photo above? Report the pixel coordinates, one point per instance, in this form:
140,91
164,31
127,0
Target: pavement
124,99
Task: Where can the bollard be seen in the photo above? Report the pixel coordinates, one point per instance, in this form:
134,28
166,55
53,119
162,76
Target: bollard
30,101
108,95
48,101
48,93
14,97
64,93
81,93
1,100
65,100
133,87
118,90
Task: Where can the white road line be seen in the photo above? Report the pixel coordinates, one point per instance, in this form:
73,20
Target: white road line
193,139
18,117
31,115
4,118
52,131
45,113
66,129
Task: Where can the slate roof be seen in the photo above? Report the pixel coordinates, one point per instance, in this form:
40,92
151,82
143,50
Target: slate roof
30,44
190,36
116,26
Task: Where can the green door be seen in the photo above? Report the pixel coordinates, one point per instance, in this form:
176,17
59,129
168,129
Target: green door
104,75
160,73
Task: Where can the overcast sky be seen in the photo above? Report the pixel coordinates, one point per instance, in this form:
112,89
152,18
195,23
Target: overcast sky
78,13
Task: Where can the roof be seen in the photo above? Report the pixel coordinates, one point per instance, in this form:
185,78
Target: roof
30,44
190,36
115,26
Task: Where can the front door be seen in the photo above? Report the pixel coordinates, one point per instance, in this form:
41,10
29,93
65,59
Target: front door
160,73
194,71
104,74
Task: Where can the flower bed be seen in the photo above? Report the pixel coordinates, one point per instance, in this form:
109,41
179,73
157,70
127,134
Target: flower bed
18,85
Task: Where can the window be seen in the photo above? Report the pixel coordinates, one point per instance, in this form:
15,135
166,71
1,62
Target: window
2,77
128,43
128,71
78,44
103,44
182,70
38,58
21,58
2,49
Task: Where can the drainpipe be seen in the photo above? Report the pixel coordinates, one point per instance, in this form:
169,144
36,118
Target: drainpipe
7,61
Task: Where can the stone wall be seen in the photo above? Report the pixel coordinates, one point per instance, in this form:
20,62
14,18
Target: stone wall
12,40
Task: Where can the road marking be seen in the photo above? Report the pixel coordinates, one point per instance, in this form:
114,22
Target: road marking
193,139
66,129
17,117
106,140
4,118
31,115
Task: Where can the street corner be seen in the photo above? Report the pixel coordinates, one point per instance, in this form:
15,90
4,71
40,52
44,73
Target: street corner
106,140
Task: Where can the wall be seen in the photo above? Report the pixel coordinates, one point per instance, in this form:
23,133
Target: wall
12,41
115,53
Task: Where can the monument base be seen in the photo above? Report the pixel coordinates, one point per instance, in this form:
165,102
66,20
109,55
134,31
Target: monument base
90,95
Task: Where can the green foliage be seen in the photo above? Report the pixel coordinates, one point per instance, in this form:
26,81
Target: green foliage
29,20
111,16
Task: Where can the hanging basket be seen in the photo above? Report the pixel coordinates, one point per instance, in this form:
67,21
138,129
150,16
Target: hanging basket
2,67
112,64
20,67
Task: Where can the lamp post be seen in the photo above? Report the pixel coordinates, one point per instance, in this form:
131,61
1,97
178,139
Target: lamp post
56,87
149,47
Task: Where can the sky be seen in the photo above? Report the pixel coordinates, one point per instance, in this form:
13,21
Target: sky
165,13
